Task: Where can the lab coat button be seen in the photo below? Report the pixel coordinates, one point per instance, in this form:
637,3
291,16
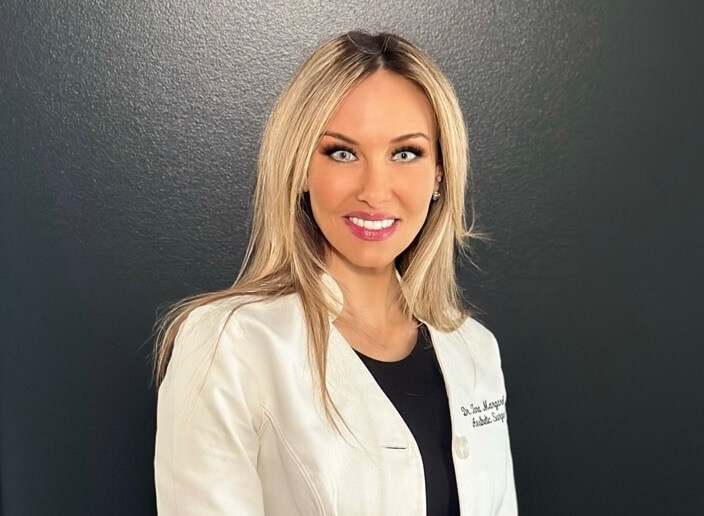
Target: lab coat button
461,447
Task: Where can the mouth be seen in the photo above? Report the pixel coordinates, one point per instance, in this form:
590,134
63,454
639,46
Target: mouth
373,225
373,230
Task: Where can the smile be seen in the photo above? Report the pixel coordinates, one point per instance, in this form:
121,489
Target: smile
371,229
371,224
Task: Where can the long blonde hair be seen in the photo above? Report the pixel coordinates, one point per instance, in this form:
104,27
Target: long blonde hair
286,248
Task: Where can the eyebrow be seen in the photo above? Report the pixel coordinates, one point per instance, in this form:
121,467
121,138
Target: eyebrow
394,140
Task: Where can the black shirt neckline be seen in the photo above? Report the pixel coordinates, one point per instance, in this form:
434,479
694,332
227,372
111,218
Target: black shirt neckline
422,342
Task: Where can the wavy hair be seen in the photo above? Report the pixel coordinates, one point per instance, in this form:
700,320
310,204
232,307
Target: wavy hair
286,248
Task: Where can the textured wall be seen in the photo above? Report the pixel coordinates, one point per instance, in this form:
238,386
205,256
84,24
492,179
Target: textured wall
128,138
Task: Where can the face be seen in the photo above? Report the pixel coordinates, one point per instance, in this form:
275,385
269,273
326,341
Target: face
373,172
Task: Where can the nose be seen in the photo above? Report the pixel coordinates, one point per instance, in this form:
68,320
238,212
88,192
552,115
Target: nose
375,184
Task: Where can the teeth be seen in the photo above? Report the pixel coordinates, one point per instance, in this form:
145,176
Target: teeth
371,224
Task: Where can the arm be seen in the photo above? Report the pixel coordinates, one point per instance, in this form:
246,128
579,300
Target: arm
508,505
208,413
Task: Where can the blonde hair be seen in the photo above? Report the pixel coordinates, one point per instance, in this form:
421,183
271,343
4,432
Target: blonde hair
286,248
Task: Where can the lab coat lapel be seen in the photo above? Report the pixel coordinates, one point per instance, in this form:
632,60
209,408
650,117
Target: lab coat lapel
363,404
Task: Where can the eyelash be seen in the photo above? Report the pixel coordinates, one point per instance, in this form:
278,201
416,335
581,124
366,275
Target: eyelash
331,149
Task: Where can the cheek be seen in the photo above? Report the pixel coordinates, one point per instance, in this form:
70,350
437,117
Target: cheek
326,194
416,194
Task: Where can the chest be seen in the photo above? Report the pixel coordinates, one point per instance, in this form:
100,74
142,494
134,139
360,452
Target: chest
375,464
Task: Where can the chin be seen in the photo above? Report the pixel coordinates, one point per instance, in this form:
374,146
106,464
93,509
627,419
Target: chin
376,260
373,263
366,260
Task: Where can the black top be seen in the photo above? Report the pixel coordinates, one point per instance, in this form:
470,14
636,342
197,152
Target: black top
415,386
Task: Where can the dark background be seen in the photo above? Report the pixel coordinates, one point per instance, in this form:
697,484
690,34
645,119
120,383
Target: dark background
128,140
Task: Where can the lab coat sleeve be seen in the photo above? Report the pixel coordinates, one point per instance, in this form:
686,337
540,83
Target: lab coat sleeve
508,506
208,413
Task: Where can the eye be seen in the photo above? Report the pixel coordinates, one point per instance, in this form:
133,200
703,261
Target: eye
408,153
339,153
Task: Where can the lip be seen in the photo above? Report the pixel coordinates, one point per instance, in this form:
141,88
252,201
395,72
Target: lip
379,215
371,234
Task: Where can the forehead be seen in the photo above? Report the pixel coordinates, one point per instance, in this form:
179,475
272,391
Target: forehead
384,105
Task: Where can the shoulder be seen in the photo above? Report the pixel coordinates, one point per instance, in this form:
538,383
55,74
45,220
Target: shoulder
480,339
234,340
245,312
242,319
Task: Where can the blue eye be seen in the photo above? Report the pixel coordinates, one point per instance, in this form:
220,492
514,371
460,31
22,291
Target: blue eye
343,154
339,153
408,153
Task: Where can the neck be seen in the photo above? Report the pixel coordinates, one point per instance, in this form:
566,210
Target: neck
370,293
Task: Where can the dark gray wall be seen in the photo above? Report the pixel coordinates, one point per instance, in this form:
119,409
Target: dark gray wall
128,138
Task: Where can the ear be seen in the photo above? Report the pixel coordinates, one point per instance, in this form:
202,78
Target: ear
438,176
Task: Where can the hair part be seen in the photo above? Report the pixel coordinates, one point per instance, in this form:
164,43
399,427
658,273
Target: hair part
286,249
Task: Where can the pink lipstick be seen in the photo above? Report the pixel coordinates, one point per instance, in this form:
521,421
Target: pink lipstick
371,234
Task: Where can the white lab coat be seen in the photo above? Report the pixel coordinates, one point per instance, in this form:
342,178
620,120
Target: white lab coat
252,439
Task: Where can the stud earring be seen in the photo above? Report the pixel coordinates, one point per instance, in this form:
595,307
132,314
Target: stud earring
436,196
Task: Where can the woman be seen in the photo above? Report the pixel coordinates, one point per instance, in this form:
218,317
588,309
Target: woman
340,374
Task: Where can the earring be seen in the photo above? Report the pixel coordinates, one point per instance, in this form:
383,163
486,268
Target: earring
436,196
